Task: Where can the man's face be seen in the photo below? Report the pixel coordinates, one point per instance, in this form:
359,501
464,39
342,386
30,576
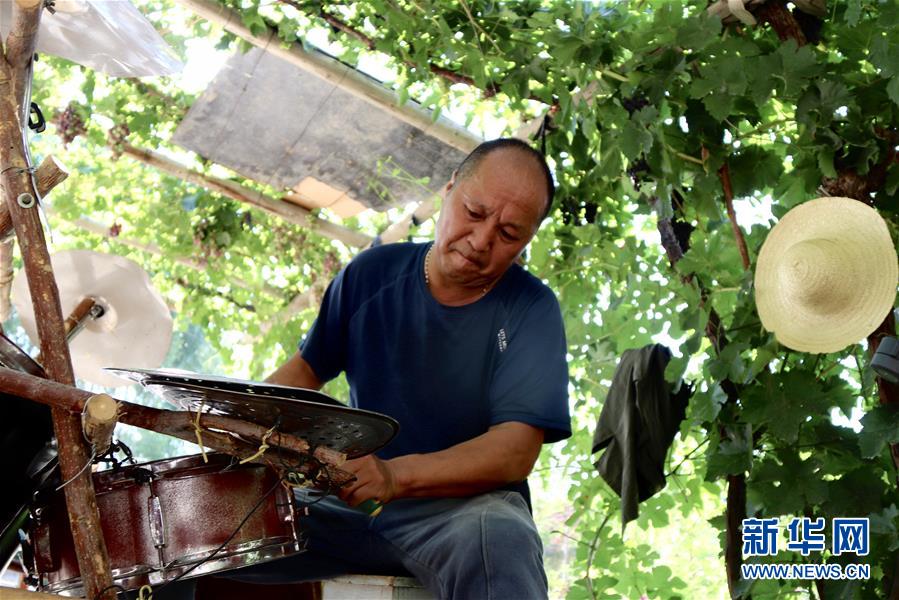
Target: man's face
488,218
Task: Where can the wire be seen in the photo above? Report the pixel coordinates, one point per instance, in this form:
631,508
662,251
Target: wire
319,470
24,118
110,587
230,537
89,462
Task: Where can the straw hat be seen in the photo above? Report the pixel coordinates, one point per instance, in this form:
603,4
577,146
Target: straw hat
826,275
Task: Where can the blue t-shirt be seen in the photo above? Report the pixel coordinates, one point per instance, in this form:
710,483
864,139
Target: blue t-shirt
446,374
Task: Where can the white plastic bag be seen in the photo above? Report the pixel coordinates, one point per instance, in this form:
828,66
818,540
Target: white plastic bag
111,36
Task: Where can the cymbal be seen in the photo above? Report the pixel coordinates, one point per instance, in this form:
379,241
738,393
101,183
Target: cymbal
135,329
316,417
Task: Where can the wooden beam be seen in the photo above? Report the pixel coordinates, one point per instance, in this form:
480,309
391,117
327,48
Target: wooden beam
20,197
301,301
216,430
334,71
285,210
48,175
399,230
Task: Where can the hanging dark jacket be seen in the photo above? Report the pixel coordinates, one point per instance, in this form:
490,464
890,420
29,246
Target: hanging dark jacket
636,426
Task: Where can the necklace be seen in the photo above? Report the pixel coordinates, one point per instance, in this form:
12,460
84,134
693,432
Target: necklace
428,271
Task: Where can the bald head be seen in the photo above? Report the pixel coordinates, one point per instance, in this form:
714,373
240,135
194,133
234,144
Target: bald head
533,159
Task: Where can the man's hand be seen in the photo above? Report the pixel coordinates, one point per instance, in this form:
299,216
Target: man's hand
505,454
375,480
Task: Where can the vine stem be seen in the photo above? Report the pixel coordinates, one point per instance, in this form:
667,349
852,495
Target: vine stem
479,28
592,553
724,175
570,537
613,75
736,484
687,457
683,156
490,90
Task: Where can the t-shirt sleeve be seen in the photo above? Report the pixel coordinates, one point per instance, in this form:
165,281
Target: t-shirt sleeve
530,384
325,344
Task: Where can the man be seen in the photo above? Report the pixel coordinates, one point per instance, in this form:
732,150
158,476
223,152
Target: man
467,351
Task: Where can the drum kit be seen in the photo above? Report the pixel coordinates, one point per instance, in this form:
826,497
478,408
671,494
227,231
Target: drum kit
174,518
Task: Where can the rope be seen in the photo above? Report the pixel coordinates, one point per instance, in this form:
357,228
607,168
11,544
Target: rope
263,447
198,431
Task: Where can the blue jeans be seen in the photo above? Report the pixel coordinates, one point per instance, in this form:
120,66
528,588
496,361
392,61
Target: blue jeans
483,547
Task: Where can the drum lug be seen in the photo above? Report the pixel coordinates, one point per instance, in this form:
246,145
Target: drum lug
157,524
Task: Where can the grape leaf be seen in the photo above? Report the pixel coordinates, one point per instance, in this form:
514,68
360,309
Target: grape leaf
879,428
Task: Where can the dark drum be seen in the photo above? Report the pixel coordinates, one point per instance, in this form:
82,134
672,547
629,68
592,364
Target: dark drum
161,518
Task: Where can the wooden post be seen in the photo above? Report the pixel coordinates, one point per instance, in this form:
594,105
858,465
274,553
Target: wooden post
6,276
21,201
50,174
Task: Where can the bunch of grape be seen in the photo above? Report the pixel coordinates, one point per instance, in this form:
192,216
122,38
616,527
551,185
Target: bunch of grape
70,124
209,242
116,137
637,170
634,103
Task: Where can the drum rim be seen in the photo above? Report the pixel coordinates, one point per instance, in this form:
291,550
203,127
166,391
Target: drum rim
154,576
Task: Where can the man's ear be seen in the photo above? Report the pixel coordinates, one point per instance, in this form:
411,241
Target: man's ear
450,183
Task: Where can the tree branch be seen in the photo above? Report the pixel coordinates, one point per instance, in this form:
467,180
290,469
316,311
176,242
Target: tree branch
775,13
208,292
736,484
490,90
724,175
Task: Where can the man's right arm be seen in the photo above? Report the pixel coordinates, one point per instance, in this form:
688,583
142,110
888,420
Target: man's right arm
296,372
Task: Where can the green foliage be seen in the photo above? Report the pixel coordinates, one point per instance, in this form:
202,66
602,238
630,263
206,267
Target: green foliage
651,99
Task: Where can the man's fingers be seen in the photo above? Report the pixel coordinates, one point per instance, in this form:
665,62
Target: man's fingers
358,495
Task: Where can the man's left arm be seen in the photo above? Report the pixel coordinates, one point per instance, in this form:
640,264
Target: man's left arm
506,453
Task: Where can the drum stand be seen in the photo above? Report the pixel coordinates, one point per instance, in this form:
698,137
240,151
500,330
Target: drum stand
23,187
21,196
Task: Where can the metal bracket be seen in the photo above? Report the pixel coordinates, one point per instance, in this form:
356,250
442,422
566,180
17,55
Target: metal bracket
157,523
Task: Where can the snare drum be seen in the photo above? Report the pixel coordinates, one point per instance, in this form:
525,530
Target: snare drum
161,518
